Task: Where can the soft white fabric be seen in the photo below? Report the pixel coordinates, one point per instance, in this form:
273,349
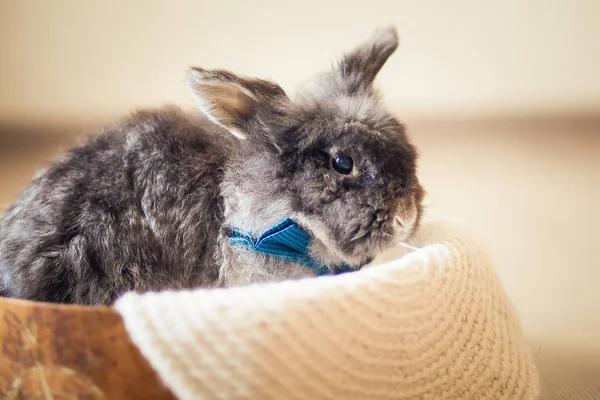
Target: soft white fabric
433,324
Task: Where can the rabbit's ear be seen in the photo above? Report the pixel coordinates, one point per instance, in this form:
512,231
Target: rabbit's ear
234,102
359,68
355,73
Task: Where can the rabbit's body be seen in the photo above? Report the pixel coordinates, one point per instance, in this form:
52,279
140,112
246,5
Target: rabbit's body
151,204
135,208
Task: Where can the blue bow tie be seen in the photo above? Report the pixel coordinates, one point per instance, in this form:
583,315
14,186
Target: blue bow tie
287,241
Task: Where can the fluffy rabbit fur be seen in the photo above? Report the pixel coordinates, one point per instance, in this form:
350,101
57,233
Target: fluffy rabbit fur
148,204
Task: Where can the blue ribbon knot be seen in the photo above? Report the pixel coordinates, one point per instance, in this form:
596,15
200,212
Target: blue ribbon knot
288,241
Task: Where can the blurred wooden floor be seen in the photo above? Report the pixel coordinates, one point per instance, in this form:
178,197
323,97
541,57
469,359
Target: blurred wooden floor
530,188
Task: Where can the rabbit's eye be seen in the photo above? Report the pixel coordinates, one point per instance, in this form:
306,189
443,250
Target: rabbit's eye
342,164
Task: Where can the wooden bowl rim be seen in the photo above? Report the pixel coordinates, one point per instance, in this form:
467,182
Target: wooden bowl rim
7,302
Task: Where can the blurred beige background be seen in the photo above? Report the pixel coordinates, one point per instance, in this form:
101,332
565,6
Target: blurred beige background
66,59
503,99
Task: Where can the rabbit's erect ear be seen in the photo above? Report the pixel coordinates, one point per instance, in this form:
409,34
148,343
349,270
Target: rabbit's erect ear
357,70
234,102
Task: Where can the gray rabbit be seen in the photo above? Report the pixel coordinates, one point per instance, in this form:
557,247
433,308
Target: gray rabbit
257,188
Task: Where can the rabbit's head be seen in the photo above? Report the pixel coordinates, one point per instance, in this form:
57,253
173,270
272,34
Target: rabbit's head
333,159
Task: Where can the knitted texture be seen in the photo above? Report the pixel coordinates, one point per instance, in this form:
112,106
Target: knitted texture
432,324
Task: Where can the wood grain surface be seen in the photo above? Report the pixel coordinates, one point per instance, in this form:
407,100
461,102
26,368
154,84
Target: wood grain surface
58,352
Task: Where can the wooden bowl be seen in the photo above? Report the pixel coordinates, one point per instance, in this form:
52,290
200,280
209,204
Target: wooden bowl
52,351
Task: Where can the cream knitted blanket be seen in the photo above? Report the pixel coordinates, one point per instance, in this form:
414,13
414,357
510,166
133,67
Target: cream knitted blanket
432,324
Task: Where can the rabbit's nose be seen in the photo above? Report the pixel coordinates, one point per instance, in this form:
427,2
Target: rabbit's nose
398,222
